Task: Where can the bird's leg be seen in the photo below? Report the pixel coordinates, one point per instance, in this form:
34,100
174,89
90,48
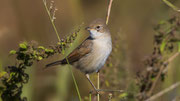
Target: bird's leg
102,90
87,76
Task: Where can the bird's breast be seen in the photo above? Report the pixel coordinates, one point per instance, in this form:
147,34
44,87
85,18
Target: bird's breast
93,61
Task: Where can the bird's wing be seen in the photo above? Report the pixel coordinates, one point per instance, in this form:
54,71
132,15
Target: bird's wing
79,52
75,55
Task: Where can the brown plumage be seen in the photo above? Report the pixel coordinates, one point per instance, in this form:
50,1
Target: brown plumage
91,55
75,55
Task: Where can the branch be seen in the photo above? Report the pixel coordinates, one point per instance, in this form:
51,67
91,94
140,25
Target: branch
107,20
175,55
52,18
160,71
152,98
110,90
108,12
171,5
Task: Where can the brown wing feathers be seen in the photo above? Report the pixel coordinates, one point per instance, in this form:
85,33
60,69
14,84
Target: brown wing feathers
78,53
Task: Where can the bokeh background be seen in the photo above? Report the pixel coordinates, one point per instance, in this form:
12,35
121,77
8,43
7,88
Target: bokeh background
131,24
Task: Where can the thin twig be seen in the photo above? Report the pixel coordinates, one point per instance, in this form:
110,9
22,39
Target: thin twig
75,83
52,18
107,90
107,20
108,12
90,96
171,5
98,83
152,98
175,55
160,71
110,90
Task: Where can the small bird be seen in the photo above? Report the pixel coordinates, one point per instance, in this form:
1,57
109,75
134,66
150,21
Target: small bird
92,54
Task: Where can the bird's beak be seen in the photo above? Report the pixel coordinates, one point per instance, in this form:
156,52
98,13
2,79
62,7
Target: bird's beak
88,28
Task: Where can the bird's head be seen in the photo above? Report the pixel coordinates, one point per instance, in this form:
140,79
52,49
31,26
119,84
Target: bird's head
98,29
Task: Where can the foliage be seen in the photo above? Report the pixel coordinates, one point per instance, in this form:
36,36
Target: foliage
14,77
166,44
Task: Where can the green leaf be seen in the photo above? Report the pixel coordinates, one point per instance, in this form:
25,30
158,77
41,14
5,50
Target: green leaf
162,22
11,76
49,50
152,78
123,95
162,46
35,52
2,74
107,83
59,43
41,47
40,58
35,56
110,65
63,51
23,45
12,52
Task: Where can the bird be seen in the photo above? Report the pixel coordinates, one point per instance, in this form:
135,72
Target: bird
91,55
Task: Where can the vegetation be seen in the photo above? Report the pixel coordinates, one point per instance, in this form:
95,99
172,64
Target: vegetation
152,75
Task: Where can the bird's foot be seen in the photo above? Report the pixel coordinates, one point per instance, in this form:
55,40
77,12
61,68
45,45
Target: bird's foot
95,91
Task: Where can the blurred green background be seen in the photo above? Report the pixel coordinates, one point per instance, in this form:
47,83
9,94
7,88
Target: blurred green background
131,24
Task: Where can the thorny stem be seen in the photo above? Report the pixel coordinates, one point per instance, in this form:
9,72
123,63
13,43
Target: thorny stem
160,71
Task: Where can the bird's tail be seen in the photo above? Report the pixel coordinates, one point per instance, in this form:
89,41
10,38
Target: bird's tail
53,64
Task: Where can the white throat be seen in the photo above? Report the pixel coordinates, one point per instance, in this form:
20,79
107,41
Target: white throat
95,34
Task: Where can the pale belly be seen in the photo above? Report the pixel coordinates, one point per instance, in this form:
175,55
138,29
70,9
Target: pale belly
96,59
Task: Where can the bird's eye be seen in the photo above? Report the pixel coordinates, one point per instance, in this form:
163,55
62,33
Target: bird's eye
98,27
